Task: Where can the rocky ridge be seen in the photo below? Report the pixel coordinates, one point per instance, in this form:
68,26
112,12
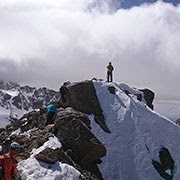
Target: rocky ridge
80,147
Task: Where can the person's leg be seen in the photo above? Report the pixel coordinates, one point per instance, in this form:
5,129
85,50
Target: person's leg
111,78
50,116
108,76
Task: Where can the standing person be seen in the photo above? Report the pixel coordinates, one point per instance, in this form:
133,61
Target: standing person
51,113
110,69
10,163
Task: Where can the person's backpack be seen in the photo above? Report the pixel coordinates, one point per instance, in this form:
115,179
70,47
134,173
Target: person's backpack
1,166
2,159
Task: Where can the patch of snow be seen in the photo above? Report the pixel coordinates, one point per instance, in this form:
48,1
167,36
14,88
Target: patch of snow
10,92
52,143
32,169
18,132
90,116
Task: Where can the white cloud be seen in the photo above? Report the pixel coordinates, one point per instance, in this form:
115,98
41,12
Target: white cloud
47,42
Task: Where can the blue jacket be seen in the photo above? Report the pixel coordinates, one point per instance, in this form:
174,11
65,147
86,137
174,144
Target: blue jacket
51,108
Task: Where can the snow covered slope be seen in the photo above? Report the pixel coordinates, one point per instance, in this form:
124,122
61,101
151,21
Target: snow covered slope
137,133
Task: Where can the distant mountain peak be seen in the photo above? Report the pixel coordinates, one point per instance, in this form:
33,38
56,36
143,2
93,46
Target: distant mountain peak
7,85
15,100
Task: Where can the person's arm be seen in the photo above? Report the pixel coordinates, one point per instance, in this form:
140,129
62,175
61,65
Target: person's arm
112,68
15,170
7,168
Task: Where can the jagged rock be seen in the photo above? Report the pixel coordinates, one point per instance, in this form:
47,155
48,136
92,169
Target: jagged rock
82,97
112,89
20,102
178,122
145,95
43,96
72,129
148,96
32,120
38,137
4,100
51,156
71,113
7,97
28,140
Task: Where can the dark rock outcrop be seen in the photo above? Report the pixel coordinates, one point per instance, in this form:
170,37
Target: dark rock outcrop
82,97
148,96
178,122
51,156
112,89
72,129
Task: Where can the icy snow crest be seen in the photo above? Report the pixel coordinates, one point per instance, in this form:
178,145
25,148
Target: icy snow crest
137,133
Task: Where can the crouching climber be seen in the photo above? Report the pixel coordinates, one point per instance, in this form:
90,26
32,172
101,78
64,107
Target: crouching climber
51,113
9,164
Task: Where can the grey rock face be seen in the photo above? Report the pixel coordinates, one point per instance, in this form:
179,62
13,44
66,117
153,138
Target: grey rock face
82,97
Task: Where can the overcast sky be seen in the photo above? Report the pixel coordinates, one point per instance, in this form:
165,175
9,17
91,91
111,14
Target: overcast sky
47,42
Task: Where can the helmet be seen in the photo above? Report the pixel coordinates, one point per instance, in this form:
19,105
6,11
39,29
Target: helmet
14,146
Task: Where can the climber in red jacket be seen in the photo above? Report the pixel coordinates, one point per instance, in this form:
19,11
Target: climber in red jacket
10,163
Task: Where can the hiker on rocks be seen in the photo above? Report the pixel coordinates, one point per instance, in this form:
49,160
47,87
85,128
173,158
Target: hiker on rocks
10,163
51,113
110,69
